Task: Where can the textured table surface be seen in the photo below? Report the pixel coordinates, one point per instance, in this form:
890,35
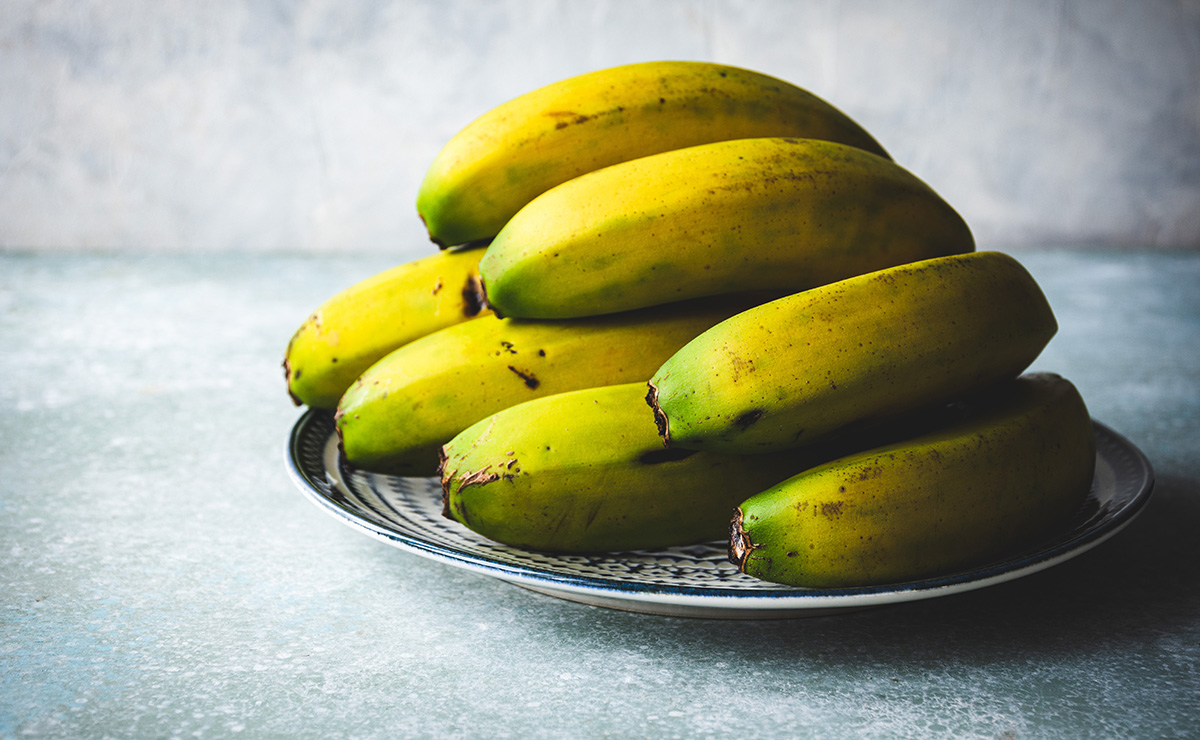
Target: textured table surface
162,576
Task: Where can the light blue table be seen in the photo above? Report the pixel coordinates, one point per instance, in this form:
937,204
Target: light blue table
162,577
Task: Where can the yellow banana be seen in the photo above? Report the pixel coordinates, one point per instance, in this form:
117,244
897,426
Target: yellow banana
802,367
358,326
398,414
752,214
1019,462
513,153
584,471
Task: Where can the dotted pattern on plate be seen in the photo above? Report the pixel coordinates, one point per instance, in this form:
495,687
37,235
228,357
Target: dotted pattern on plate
409,511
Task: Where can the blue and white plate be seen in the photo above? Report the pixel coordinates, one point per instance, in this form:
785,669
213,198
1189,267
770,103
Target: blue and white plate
695,581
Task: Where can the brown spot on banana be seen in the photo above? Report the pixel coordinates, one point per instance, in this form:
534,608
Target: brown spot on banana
832,509
748,418
739,365
566,118
479,478
530,379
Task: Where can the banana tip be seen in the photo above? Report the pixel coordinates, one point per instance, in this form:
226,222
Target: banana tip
474,299
740,544
660,418
440,244
481,297
445,476
287,378
337,428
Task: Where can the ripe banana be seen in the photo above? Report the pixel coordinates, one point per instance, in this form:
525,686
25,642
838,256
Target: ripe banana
584,471
515,152
357,327
399,413
753,214
1020,461
808,365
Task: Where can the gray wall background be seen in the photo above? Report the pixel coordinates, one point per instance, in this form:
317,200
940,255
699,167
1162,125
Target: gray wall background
265,125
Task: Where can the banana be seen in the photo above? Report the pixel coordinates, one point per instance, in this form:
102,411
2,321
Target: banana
515,152
584,471
753,214
358,326
399,413
812,364
1020,461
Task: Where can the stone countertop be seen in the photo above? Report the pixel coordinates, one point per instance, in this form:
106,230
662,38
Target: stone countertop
163,577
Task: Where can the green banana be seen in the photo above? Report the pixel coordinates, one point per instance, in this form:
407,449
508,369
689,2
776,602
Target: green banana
401,410
753,214
358,326
813,364
515,152
584,471
1019,462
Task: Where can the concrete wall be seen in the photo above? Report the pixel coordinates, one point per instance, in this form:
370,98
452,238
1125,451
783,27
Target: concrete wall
306,126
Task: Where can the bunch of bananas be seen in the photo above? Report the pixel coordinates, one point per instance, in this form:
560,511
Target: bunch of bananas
674,293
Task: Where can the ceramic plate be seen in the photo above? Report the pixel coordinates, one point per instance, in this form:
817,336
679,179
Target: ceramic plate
695,581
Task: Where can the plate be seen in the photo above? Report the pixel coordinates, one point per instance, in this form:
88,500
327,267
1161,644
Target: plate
696,581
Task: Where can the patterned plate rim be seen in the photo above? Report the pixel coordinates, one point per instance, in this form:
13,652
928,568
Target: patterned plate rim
1131,468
